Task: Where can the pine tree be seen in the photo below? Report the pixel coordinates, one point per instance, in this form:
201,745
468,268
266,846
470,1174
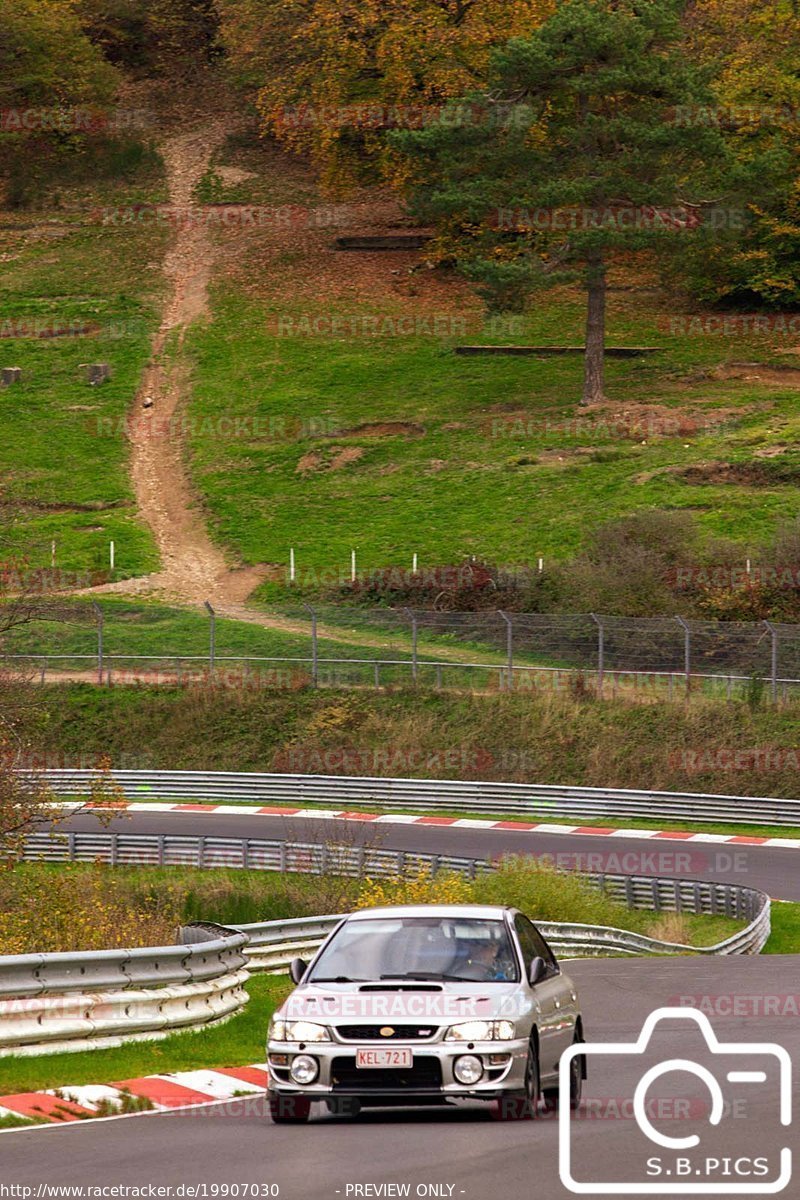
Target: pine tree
574,154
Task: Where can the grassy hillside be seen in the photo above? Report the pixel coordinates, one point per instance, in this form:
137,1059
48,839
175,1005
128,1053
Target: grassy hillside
374,435
545,739
76,290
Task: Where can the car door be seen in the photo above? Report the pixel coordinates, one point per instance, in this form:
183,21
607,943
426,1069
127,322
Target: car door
554,995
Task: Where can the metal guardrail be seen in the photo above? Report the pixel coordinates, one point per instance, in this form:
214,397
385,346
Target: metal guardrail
636,891
478,796
83,999
273,944
80,1000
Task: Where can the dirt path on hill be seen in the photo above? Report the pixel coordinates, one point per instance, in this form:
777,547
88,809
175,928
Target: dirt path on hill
193,568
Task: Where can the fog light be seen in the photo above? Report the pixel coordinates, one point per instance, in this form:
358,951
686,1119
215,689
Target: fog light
468,1069
499,1060
304,1069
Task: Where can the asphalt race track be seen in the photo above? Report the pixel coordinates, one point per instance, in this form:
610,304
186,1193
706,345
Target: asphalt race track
462,1151
773,870
464,1148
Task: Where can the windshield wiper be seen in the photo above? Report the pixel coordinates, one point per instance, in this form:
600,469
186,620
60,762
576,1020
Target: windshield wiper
426,976
335,979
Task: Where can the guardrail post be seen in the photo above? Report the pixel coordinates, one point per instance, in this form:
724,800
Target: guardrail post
414,662
509,647
71,846
773,633
377,675
99,614
601,652
687,652
314,646
212,636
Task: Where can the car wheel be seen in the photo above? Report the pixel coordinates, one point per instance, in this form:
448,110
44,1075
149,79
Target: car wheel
523,1105
551,1095
289,1110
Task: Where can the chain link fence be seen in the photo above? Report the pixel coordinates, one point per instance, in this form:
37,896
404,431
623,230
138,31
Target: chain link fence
333,646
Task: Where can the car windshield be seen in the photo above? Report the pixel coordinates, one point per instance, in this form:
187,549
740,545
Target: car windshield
428,948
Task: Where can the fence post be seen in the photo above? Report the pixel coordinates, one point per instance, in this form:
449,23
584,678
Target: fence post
99,614
414,661
601,652
773,633
687,652
212,636
314,653
509,647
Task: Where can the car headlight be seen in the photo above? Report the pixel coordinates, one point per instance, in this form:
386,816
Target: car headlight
481,1031
281,1030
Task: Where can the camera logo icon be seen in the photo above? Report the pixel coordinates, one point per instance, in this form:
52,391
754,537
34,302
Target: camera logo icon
745,1072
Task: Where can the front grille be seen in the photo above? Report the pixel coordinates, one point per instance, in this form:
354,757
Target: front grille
372,1033
425,1074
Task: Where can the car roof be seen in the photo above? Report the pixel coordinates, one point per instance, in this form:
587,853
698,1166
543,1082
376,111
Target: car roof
486,912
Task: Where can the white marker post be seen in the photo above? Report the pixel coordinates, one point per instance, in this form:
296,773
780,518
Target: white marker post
111,554
414,564
541,565
53,553
352,566
291,565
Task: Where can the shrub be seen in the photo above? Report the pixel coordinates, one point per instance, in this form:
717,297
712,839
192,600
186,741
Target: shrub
545,894
417,886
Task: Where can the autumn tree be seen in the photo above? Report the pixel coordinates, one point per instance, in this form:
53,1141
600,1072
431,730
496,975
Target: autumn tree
753,47
329,76
578,158
46,59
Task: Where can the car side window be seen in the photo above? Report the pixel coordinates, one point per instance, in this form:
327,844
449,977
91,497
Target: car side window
533,944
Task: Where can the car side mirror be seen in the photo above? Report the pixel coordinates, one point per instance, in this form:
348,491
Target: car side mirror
297,969
537,970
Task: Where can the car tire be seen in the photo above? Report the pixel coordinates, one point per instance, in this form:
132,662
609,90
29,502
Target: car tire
522,1105
576,1072
289,1110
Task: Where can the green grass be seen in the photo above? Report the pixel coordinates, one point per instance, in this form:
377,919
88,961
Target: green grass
785,936
464,490
549,739
63,448
235,1042
16,1122
162,633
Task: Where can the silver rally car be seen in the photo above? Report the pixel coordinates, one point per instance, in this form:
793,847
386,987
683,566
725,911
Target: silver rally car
426,1004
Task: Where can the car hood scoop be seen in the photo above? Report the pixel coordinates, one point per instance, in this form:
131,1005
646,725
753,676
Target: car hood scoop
402,985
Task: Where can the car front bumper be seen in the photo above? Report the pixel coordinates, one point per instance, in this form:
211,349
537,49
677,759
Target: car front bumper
431,1075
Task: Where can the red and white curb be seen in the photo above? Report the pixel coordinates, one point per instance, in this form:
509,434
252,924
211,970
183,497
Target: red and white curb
321,814
165,1093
